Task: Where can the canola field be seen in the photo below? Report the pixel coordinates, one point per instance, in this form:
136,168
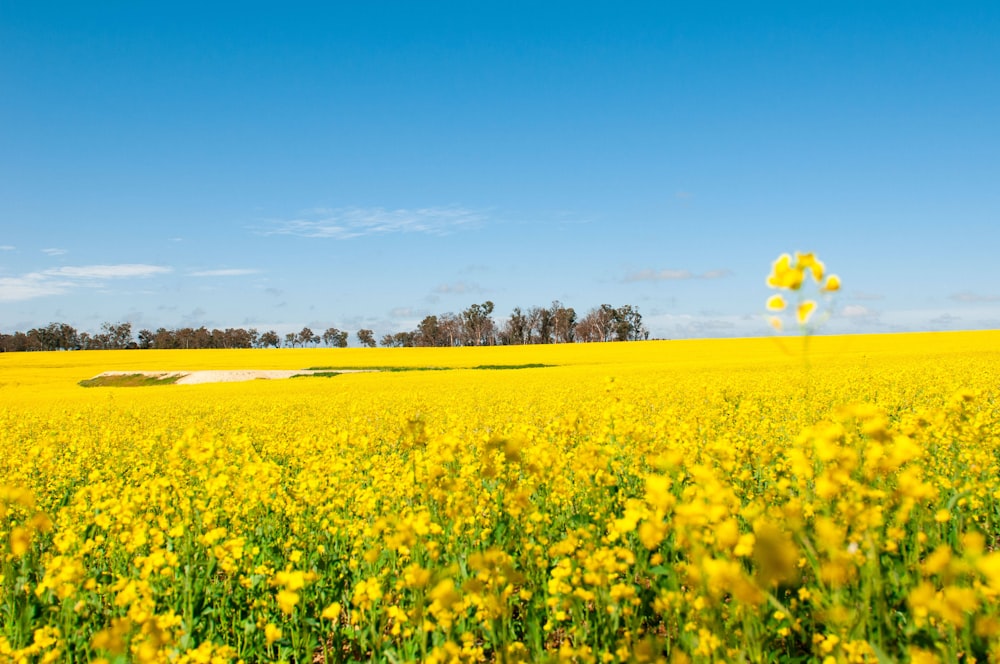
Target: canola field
680,501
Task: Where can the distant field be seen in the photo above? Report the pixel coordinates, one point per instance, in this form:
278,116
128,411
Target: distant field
716,500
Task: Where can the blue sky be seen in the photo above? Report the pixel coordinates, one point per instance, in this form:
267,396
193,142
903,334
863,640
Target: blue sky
366,164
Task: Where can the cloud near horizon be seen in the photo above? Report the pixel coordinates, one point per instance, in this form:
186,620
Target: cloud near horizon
458,288
60,280
225,272
352,222
968,296
674,275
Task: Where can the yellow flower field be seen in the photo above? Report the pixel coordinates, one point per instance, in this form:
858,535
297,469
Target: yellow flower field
701,501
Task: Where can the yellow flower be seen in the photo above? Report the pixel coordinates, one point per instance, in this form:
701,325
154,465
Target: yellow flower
293,580
832,284
805,311
775,322
784,275
332,612
271,633
810,262
112,639
20,541
776,303
287,601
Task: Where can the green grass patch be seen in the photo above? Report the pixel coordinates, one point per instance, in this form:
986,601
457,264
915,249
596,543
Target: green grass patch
495,367
317,374
130,380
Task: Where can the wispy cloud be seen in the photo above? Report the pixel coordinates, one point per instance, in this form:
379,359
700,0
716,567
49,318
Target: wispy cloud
944,321
61,280
352,222
30,286
231,272
52,251
121,271
458,288
858,311
968,296
406,313
674,275
7,247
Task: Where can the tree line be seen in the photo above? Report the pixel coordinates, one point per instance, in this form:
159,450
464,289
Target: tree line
475,326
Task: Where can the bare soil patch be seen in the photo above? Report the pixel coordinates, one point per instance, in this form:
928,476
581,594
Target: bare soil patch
146,378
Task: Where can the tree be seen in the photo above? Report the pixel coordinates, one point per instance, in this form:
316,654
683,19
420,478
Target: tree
146,339
563,323
449,329
335,337
399,340
116,335
607,323
478,325
427,332
307,336
628,324
290,339
366,338
270,338
597,324
517,328
54,336
541,323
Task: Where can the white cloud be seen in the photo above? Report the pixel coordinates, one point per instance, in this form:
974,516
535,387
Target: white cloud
121,271
232,272
52,251
857,311
346,223
674,275
30,286
60,280
7,247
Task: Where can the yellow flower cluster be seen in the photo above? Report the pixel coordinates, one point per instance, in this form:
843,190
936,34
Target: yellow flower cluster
790,275
710,502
